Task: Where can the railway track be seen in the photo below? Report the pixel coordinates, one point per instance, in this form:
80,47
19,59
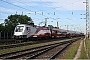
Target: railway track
49,53
16,45
24,44
34,52
13,41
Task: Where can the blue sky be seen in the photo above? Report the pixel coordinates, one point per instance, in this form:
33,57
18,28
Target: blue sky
66,12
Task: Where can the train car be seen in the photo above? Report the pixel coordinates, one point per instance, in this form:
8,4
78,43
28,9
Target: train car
28,31
42,32
71,33
79,34
24,31
57,33
63,33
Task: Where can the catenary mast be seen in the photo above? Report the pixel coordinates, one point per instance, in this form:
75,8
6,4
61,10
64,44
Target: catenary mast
87,20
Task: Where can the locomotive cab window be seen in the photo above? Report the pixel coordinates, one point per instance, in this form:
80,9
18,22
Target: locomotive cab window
27,28
19,28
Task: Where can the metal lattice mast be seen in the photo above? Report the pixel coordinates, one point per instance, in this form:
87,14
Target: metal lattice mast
46,21
87,20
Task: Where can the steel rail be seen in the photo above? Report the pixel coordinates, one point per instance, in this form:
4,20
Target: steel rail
15,56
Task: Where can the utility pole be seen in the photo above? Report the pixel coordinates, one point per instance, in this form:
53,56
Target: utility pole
67,27
57,24
87,20
16,12
46,21
22,12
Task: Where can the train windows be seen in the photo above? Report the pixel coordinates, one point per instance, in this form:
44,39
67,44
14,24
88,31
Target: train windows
28,30
63,32
19,28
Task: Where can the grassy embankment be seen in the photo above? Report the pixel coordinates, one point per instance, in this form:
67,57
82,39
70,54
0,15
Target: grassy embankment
26,47
71,51
88,47
83,54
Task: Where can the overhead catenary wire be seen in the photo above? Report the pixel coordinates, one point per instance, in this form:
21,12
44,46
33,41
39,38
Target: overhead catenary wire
54,9
72,13
15,5
42,13
19,6
25,8
35,11
55,15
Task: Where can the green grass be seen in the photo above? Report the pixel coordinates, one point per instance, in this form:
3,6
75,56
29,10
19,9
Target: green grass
71,52
83,53
88,47
25,47
16,43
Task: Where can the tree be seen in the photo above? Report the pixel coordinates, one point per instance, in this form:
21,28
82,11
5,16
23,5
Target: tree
1,27
13,20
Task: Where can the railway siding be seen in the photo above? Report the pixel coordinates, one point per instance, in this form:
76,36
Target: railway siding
2,52
26,47
71,51
14,55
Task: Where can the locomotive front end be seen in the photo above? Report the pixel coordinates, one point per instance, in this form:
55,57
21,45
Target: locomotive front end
19,32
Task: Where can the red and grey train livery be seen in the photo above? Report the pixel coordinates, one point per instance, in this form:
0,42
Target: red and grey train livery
29,31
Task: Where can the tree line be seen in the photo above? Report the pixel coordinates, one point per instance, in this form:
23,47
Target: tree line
13,20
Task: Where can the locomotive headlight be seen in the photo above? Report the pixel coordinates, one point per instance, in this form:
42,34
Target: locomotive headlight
22,33
35,36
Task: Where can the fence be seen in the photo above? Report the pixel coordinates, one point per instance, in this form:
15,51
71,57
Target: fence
6,35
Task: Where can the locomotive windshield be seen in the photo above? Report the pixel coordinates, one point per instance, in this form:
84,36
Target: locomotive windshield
19,28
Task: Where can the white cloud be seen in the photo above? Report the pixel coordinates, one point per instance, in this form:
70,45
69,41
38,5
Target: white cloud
25,4
26,1
68,5
10,11
61,4
57,4
2,9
